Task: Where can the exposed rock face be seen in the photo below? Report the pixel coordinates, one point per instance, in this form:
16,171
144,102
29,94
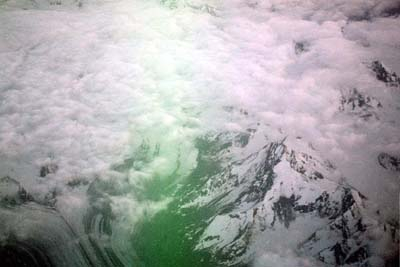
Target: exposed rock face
301,47
385,75
342,241
48,169
273,187
389,162
235,199
355,103
12,193
284,210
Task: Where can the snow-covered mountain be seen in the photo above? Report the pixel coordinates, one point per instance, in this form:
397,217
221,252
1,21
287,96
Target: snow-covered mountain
199,133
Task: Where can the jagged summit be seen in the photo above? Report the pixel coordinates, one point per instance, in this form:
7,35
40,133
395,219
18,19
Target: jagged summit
199,133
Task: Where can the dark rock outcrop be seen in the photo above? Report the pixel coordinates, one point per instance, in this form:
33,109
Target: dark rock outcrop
385,75
355,103
389,162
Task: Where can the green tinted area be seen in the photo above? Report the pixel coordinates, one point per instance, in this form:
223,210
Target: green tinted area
169,238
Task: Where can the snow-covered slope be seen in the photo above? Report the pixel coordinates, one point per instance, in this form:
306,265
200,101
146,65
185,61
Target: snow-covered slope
199,133
278,198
